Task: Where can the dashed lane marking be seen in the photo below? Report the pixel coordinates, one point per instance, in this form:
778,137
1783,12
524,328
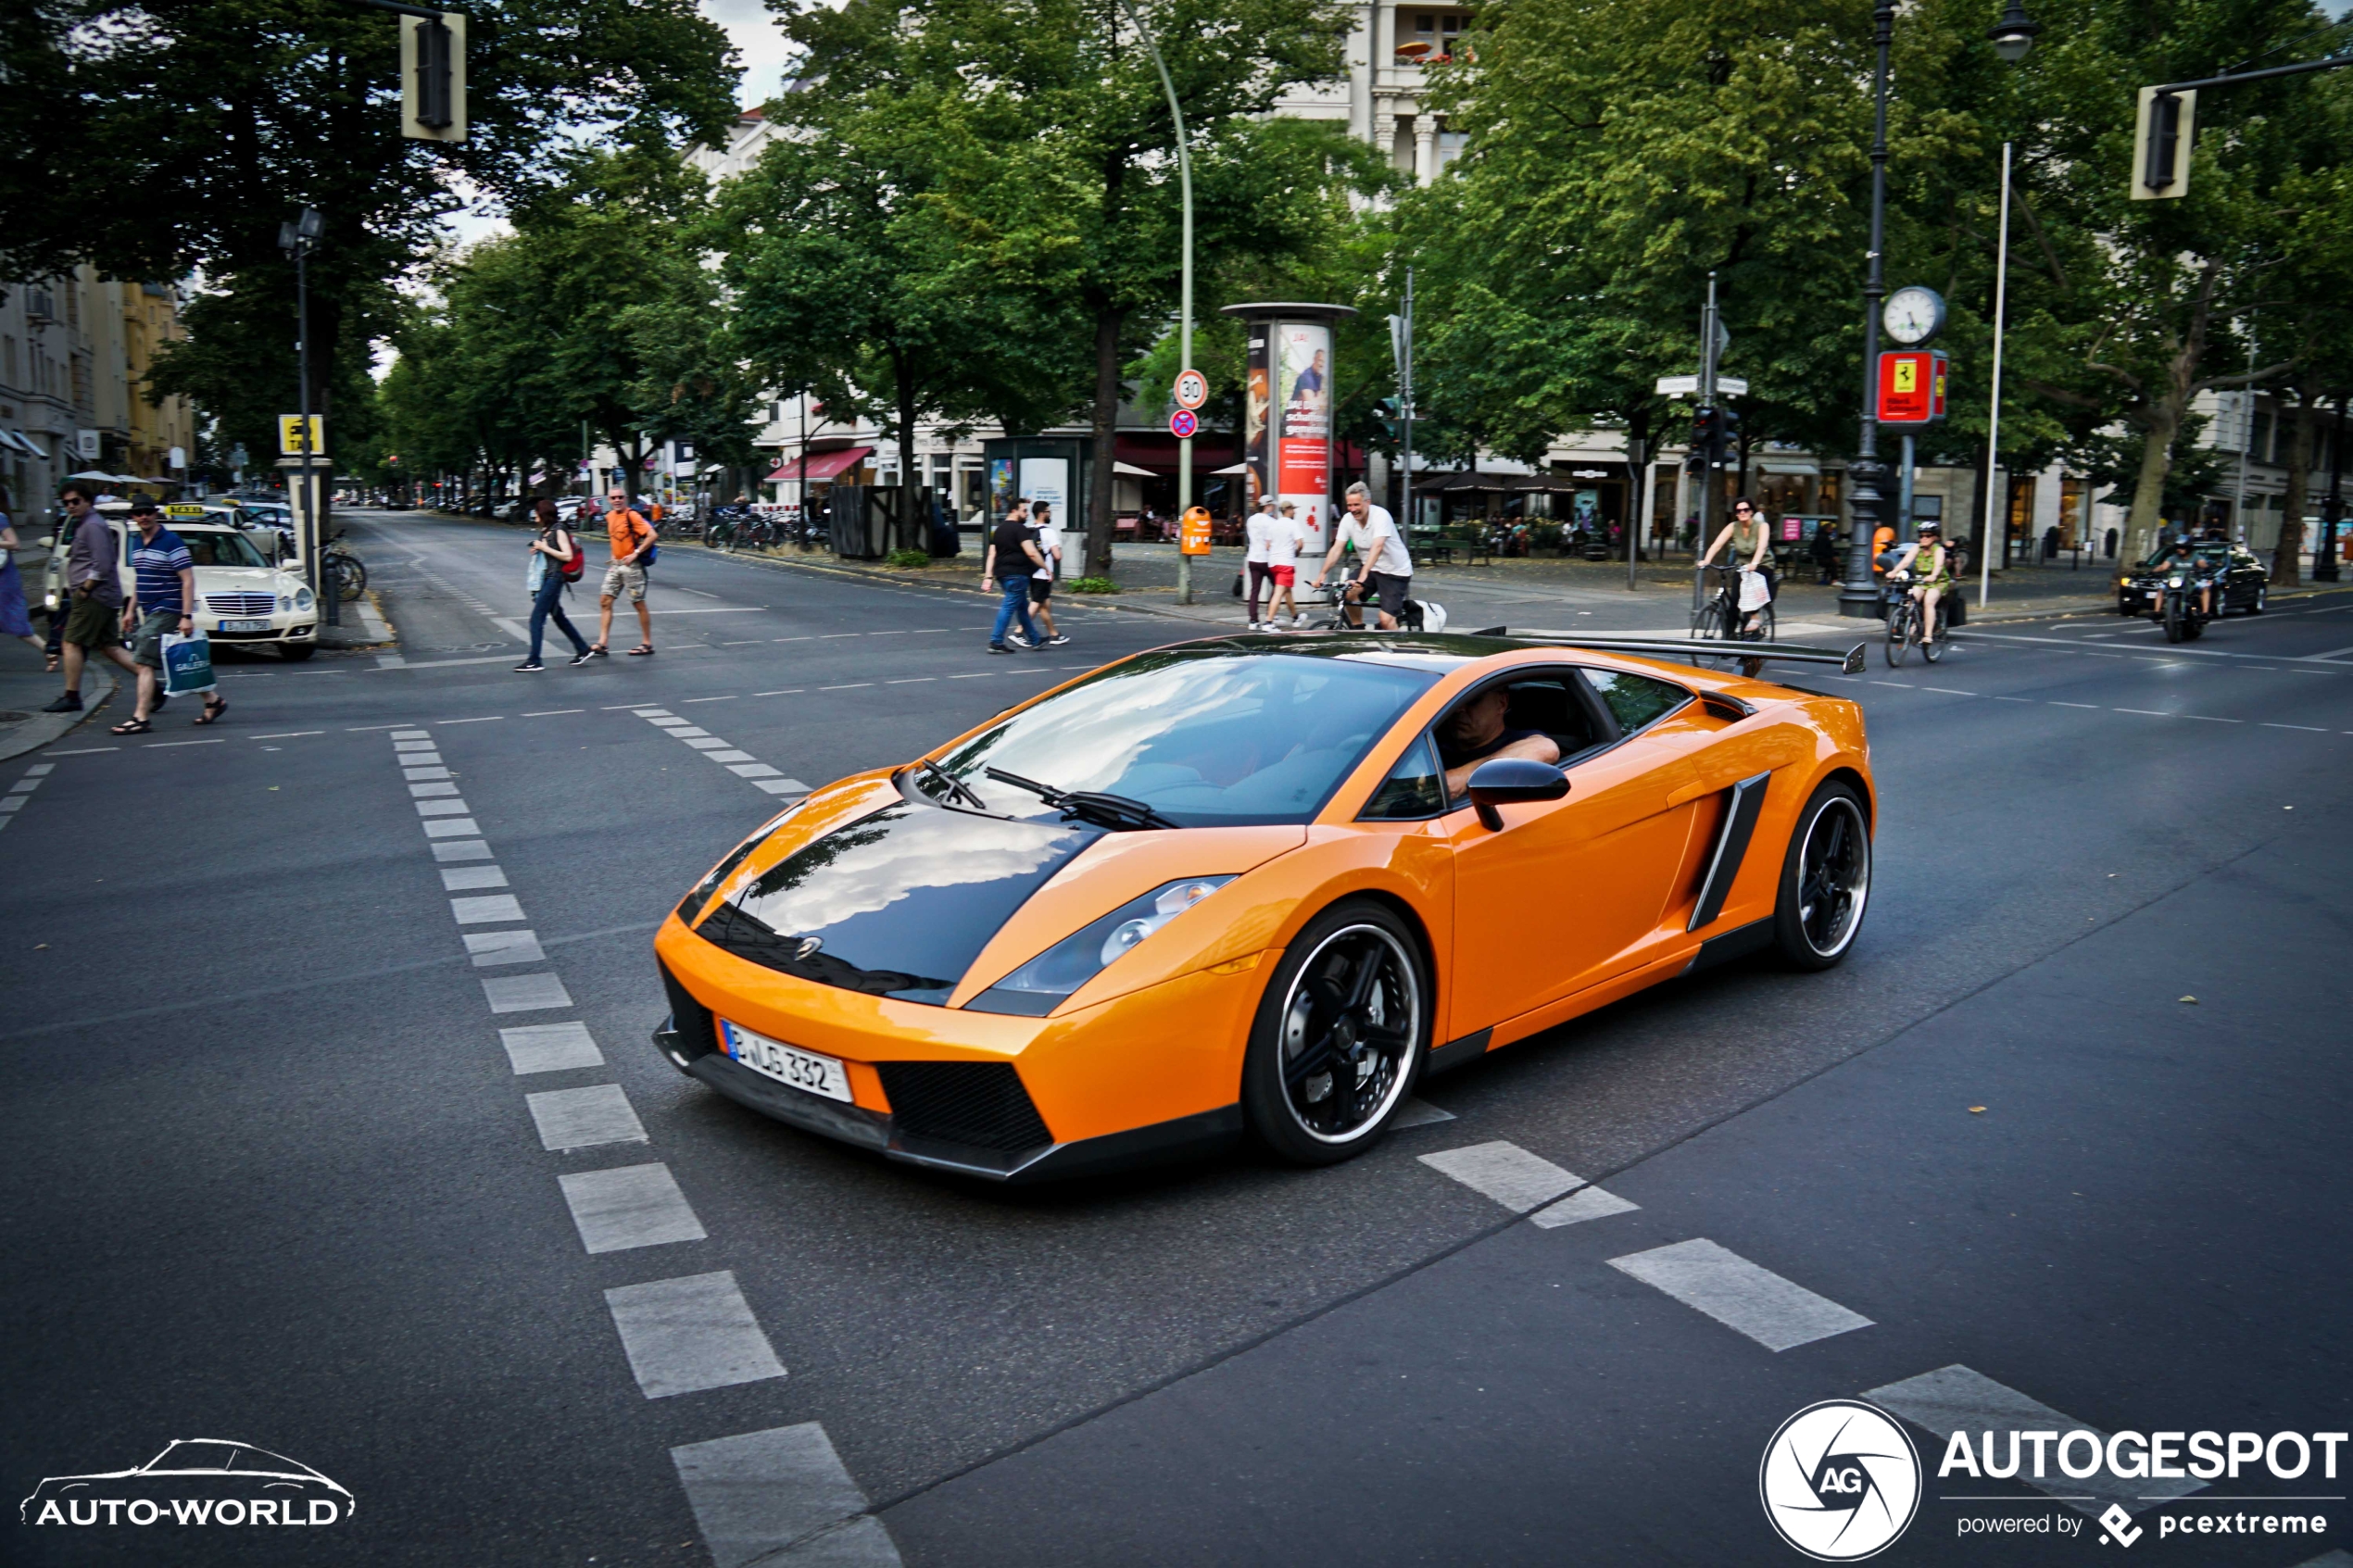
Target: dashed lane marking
730,698
1778,1314
767,1497
552,712
524,992
489,909
628,1207
287,734
2312,728
1948,691
1506,1173
160,745
2088,707
1585,1203
585,1118
486,719
463,877
683,1336
475,849
1955,1399
86,751
788,690
850,687
550,1048
492,949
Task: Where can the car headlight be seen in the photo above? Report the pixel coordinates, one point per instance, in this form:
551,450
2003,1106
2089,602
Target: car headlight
1039,987
302,598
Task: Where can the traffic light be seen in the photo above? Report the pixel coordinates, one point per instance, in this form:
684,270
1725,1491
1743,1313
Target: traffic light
1386,411
1707,433
433,77
1728,432
2161,145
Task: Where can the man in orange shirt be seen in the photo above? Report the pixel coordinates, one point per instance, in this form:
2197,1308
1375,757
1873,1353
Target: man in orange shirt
630,536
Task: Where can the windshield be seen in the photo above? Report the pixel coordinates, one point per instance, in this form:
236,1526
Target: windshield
1205,737
221,547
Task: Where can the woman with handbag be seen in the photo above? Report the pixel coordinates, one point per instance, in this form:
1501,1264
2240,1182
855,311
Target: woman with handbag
556,561
1751,543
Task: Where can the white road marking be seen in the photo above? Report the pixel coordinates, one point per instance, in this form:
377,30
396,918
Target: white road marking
1955,1398
736,609
426,791
453,827
442,809
730,698
551,712
159,745
912,680
685,731
2208,718
473,850
492,907
851,686
1776,1312
400,734
550,1048
474,876
2315,729
788,690
287,734
782,786
1585,1203
524,992
751,769
420,744
1948,691
1906,685
492,948
2088,707
484,719
767,1497
2143,712
585,1118
729,754
631,1206
1506,1173
86,751
40,771
975,675
683,1336
14,802
2329,657
415,774
710,743
1420,1113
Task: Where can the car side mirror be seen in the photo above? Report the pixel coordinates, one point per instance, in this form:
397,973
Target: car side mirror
1509,780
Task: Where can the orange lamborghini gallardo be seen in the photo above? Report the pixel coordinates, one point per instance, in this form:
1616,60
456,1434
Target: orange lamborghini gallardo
1261,886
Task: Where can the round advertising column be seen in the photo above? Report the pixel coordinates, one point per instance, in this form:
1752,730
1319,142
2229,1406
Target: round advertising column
1288,425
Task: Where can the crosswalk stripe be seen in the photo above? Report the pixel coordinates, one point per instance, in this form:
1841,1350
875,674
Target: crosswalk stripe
1506,1173
524,992
488,909
494,948
550,1048
585,1118
1955,1399
464,877
1778,1314
683,1336
473,849
628,1207
1585,1203
778,1494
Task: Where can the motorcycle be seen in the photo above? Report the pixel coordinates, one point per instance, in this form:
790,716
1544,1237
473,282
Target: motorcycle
2176,608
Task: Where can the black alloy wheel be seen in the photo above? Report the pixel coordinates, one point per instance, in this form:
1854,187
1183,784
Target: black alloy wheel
1341,1035
1826,879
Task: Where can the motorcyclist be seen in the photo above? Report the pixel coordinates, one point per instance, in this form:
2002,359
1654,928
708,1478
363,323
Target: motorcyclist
2183,558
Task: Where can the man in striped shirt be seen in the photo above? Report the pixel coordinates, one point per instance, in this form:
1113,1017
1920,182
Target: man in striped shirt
163,600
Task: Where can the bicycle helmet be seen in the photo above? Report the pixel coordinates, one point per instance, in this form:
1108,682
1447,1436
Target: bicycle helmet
1926,529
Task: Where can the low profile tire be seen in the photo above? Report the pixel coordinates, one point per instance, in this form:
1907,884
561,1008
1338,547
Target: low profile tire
295,653
1341,1035
1826,879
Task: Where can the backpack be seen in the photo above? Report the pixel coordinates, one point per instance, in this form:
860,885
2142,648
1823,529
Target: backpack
576,563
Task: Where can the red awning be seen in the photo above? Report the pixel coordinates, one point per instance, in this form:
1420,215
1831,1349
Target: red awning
823,465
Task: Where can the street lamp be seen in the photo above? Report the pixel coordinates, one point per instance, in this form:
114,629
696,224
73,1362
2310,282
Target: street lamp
1185,328
2012,37
298,239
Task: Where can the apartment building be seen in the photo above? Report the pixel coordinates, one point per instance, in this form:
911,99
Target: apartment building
75,353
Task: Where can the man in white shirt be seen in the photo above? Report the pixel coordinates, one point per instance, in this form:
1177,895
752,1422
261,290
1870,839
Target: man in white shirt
1258,535
1389,569
1041,582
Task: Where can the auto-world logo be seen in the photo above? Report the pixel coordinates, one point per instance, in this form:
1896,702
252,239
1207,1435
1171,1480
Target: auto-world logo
1840,1480
193,1481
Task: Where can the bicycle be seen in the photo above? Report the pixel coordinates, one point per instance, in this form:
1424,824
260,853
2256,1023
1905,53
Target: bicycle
342,572
1719,618
1904,624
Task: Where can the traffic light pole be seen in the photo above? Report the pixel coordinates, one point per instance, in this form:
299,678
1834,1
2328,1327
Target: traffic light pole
1858,597
1405,408
1185,325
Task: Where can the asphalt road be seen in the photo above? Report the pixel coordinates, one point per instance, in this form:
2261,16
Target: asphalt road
276,1176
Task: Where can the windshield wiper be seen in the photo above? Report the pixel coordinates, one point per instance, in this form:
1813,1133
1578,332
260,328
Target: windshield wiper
1115,811
957,789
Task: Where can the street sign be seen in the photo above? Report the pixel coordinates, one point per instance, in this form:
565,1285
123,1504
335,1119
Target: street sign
290,435
1184,424
1688,387
1911,387
1192,389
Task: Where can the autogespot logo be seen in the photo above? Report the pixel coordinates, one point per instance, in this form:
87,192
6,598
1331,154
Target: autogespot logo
1841,1480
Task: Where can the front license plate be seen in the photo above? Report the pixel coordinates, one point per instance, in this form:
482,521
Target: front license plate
788,1064
245,626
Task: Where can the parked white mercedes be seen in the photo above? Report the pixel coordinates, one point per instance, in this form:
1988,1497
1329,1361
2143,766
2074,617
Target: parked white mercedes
242,598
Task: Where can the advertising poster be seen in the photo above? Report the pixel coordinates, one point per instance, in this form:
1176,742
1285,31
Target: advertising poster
1302,353
1047,480
1254,420
1001,485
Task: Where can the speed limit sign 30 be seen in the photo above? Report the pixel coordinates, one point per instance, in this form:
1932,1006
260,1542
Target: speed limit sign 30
1192,389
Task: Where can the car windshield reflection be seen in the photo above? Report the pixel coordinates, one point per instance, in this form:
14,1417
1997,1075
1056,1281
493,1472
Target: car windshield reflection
1205,737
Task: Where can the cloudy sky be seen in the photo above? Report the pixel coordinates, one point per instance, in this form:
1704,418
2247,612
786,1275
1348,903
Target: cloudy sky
753,28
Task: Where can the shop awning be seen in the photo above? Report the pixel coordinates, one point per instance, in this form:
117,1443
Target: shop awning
1132,472
823,465
18,442
1234,467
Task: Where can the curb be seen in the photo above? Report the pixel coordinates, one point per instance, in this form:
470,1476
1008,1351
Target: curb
47,729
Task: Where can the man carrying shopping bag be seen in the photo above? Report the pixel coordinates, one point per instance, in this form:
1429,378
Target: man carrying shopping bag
163,603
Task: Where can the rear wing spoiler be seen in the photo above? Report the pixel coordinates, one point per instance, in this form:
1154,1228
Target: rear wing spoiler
1688,650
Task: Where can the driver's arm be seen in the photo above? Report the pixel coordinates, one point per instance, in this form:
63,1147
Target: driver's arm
1539,749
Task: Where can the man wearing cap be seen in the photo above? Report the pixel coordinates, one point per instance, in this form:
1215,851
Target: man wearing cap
163,601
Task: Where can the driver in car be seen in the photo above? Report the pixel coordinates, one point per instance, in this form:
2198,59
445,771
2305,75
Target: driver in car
1475,732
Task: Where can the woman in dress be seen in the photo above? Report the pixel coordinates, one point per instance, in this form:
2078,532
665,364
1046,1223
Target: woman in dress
14,620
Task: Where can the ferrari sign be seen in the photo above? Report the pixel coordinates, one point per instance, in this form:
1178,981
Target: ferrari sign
1911,387
1192,389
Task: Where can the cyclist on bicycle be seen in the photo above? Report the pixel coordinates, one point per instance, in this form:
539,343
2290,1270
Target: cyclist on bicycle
1751,543
1934,576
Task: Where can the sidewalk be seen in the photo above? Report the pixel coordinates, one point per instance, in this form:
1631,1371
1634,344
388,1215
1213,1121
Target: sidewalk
25,690
1547,593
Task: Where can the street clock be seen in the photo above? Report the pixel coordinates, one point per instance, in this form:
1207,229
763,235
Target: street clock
1913,314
